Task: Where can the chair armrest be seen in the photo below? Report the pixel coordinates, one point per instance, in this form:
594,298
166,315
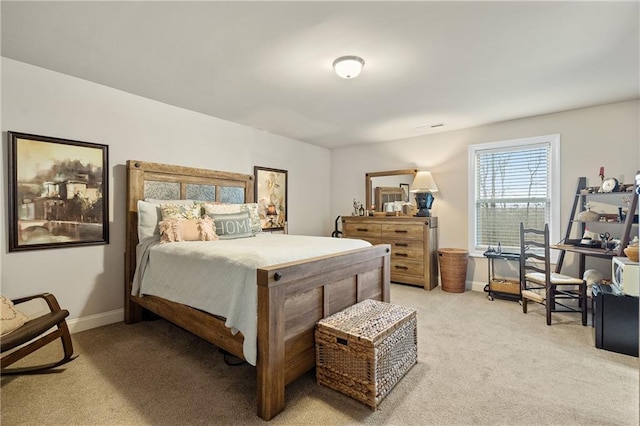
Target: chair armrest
51,300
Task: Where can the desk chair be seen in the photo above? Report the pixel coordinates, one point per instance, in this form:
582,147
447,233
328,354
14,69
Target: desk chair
25,330
540,284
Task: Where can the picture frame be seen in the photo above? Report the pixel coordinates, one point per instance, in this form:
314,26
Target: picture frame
271,196
405,188
58,192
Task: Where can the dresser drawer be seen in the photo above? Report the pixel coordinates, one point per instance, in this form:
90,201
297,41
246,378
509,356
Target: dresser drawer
398,253
362,230
406,267
399,230
404,245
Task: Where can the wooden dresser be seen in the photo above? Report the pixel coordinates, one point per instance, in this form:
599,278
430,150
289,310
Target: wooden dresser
413,240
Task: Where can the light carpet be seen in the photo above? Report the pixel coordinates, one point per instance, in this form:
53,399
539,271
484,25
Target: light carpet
479,362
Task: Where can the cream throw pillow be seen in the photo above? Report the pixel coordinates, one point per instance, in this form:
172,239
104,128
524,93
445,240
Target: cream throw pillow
10,317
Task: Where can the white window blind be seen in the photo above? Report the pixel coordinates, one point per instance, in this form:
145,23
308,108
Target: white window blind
512,183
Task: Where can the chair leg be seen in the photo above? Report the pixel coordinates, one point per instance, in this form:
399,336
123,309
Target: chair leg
550,303
524,305
61,333
583,301
67,344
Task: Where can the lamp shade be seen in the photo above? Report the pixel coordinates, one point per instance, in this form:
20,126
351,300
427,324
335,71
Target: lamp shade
424,182
348,66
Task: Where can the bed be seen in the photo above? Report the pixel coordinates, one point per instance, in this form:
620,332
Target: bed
291,296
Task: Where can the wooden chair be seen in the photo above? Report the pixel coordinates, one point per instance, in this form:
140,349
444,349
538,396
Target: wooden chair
36,328
540,284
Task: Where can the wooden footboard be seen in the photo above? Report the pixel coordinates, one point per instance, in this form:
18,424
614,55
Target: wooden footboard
292,297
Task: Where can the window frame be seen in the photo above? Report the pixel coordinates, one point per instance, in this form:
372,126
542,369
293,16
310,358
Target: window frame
554,184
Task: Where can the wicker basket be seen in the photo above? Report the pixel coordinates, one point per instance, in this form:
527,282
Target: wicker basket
364,350
453,269
504,286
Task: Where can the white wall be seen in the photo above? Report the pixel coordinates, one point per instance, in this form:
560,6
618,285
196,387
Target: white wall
606,136
322,184
89,280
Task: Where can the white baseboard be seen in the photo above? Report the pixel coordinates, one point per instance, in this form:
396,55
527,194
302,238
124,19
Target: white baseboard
77,325
477,286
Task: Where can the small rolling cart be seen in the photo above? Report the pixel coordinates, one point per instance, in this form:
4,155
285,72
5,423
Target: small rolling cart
502,288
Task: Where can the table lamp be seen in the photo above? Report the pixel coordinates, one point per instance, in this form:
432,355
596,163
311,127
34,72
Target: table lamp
271,214
423,185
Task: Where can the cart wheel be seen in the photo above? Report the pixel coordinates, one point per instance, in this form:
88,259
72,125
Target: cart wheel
520,302
490,297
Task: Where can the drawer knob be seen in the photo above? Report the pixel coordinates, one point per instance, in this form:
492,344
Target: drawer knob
402,244
363,229
402,254
401,267
401,231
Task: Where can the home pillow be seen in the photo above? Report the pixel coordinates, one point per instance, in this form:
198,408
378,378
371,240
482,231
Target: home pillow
150,214
10,317
179,211
233,225
178,229
213,209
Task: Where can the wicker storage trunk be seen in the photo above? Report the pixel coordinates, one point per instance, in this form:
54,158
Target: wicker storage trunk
364,350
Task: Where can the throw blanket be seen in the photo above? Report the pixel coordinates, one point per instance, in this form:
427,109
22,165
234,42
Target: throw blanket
219,277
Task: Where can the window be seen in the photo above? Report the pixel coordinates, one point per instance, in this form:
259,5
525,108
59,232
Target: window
511,182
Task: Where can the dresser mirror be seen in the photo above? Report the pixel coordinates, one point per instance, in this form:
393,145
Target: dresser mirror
381,187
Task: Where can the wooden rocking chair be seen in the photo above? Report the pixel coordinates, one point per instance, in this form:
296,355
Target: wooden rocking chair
35,329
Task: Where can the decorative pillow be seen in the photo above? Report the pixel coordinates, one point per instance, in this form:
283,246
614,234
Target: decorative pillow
150,214
10,317
254,216
233,225
179,211
175,230
213,209
148,217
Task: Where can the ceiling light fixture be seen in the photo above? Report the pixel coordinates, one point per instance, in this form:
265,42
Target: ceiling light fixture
348,66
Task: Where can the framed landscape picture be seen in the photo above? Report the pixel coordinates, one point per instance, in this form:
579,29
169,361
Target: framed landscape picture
58,192
271,196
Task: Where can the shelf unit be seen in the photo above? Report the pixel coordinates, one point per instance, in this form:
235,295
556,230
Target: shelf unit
624,228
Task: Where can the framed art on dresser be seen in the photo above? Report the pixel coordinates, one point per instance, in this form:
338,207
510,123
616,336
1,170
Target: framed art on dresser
271,196
58,192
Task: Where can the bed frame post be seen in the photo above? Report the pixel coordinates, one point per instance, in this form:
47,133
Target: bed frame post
271,345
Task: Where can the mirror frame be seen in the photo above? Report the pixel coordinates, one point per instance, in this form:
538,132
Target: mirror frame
368,185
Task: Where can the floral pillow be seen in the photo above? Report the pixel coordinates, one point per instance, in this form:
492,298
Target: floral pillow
213,209
175,230
10,317
178,211
150,215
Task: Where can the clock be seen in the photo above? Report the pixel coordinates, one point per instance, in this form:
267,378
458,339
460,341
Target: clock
609,185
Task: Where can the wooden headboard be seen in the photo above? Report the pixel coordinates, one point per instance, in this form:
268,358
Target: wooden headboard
162,181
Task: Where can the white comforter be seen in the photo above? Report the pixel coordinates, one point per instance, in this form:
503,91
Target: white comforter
219,277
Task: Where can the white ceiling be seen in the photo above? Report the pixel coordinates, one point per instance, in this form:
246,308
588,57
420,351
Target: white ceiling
268,64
